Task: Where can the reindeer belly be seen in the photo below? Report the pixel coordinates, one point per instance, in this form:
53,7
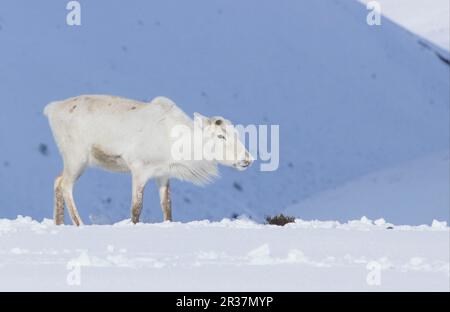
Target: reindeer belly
102,158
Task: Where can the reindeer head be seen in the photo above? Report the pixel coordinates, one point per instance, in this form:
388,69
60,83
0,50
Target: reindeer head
221,139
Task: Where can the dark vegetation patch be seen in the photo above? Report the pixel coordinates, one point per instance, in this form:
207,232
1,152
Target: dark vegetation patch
280,220
237,186
43,149
107,201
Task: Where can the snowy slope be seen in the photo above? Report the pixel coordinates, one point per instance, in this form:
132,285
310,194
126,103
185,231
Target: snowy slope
350,99
419,188
237,256
428,19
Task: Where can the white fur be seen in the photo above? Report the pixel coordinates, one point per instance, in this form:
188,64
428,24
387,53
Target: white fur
124,135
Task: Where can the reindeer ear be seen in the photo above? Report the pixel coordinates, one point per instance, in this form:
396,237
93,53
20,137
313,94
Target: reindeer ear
201,120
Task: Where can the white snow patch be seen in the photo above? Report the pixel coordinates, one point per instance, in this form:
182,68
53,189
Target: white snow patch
225,255
428,19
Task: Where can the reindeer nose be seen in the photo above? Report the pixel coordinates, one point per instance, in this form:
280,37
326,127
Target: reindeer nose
245,163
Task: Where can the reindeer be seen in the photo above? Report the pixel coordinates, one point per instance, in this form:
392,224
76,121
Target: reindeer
124,135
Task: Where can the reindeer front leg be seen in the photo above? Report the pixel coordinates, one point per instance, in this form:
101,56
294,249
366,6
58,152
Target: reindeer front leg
164,195
137,198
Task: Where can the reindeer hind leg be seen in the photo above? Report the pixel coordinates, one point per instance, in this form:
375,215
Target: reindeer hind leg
72,171
67,187
58,211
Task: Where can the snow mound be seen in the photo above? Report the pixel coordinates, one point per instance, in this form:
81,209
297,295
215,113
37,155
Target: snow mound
227,255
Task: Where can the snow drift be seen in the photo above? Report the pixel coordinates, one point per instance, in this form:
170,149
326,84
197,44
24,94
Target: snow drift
229,255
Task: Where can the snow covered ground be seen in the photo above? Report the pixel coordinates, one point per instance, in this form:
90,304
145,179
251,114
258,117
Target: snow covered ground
428,19
228,255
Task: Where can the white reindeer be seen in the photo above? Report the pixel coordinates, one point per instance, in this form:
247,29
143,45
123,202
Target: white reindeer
124,135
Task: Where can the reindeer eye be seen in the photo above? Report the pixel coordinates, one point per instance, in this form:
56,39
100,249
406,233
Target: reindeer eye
221,137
